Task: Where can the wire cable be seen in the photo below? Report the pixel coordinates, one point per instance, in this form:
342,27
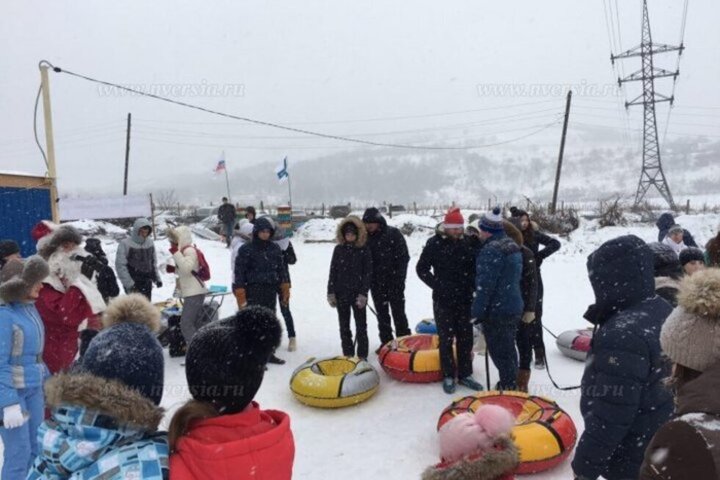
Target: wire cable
35,132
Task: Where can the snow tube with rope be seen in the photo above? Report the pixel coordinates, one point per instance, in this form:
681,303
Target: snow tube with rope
544,433
575,343
426,326
413,358
334,382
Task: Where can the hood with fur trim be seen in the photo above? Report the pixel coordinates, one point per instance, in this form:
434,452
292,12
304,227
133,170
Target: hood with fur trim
497,463
182,236
133,308
362,231
17,278
64,233
700,293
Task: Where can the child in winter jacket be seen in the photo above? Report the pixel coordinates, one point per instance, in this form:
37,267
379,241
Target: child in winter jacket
22,371
477,446
105,413
222,434
349,283
192,289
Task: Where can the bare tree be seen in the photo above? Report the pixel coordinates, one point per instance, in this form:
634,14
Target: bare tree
166,200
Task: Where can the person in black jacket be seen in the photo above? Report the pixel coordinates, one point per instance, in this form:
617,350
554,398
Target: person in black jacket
447,266
665,223
533,238
390,263
260,272
667,271
349,283
227,216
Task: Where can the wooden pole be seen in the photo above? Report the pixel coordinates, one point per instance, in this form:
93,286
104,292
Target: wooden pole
49,143
553,206
127,153
152,216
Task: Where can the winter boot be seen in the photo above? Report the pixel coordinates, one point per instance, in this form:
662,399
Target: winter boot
539,359
449,385
523,380
470,383
292,344
277,361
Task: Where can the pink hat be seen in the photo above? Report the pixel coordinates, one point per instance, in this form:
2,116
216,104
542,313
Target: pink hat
471,434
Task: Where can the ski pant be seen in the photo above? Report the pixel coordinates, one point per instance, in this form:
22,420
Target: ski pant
536,332
523,344
383,305
287,316
262,295
345,307
229,231
20,444
143,286
190,320
454,326
500,335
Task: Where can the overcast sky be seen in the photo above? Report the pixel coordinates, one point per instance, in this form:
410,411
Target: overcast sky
340,67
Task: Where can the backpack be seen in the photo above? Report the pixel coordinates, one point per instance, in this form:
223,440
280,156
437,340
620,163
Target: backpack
203,271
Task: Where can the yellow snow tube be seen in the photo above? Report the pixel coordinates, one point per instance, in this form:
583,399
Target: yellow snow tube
334,382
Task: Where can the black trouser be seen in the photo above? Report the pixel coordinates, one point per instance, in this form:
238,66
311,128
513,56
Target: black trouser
536,329
344,308
523,344
143,286
262,295
287,316
453,324
500,335
383,304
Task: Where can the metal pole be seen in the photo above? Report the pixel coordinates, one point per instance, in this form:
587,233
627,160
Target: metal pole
227,179
553,207
127,153
289,192
50,143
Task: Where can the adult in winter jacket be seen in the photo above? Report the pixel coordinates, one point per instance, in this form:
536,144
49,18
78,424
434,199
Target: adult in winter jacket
623,400
105,413
227,216
250,214
9,249
667,271
447,266
688,446
528,291
665,223
192,289
498,304
22,371
674,239
222,434
136,260
692,260
68,297
390,263
282,240
533,238
349,282
712,251
243,234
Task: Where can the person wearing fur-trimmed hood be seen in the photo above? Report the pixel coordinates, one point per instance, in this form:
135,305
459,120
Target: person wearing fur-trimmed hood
68,297
105,412
22,370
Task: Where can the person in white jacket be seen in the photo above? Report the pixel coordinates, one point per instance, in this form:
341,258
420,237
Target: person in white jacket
674,239
192,289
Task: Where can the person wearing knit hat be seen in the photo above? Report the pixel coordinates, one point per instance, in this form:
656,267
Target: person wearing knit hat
534,238
477,446
692,260
105,412
498,304
22,371
9,249
222,429
688,446
667,270
447,266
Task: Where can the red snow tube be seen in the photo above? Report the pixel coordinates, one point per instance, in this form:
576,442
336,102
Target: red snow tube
575,343
543,432
414,358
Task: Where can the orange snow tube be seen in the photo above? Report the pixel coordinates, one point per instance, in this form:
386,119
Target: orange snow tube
544,433
414,358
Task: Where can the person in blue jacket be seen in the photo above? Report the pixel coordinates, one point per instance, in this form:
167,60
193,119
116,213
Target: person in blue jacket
665,223
22,371
498,303
624,400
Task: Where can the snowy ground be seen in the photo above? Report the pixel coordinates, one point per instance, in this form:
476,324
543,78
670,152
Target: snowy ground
392,436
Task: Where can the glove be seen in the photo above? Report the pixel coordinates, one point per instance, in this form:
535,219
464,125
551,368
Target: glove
332,300
173,248
240,297
361,301
528,317
90,265
13,417
159,284
285,294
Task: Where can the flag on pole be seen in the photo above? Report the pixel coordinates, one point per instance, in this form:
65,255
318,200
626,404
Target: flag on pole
220,166
282,171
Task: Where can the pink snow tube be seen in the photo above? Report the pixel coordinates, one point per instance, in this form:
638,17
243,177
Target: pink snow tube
575,343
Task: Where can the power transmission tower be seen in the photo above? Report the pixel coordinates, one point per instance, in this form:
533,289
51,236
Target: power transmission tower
652,172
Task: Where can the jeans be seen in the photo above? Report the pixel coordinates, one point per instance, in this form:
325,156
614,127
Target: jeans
21,444
500,336
344,309
383,305
229,231
453,324
287,316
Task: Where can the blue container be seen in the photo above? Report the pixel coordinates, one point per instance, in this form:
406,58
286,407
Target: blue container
426,326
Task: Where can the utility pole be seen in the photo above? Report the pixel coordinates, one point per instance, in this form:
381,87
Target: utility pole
127,153
553,207
49,142
652,172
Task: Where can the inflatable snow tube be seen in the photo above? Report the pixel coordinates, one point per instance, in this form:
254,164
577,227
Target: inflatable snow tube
426,326
334,382
414,358
575,343
544,433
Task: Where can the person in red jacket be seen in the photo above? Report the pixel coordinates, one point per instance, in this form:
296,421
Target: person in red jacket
67,299
222,434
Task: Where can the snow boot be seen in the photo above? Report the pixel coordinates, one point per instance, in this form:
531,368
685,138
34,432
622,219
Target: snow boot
539,360
277,361
523,380
292,344
471,383
449,385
